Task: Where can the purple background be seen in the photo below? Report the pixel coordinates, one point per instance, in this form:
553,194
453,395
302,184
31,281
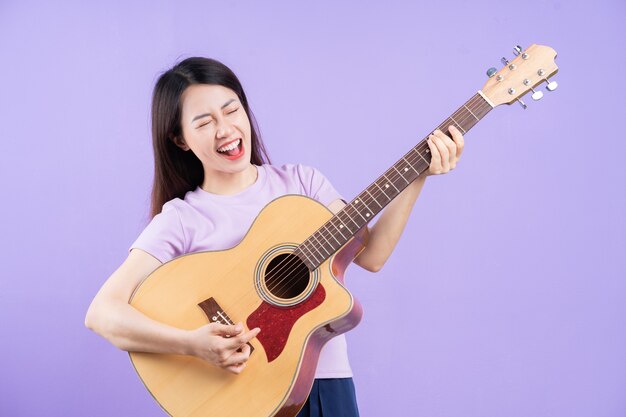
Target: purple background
506,294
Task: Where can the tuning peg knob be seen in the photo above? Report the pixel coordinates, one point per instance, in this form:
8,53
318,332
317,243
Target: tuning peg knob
537,95
491,72
517,50
552,85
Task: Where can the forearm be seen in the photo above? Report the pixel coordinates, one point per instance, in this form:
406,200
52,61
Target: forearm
385,233
130,330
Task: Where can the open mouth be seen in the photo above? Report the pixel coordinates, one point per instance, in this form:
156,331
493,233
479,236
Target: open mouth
231,150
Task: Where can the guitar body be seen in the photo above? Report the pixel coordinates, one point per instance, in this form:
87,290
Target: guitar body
294,324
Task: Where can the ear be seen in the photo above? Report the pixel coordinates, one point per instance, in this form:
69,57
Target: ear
180,142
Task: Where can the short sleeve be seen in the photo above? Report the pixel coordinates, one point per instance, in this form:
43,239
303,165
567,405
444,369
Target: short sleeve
316,185
163,238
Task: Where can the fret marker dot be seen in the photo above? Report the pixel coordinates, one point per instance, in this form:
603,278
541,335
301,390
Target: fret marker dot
356,201
405,169
367,214
341,226
386,185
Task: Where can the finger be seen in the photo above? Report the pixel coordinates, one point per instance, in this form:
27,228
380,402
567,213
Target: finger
435,157
236,358
457,136
450,147
235,343
237,368
227,330
244,348
444,152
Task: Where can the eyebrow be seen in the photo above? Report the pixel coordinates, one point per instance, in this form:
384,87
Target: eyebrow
200,116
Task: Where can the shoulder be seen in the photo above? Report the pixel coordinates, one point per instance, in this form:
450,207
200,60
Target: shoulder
308,180
299,172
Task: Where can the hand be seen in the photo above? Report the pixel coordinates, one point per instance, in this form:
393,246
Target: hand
223,346
445,152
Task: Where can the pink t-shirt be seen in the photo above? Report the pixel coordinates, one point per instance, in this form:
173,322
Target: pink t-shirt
203,221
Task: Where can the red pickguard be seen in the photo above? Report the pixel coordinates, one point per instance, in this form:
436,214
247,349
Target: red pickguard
276,322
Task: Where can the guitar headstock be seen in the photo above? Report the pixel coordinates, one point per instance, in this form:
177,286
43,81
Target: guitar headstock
529,69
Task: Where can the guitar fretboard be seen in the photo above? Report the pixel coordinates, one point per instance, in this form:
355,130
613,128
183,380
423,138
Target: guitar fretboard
336,232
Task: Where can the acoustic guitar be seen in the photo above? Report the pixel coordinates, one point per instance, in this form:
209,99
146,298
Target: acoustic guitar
287,277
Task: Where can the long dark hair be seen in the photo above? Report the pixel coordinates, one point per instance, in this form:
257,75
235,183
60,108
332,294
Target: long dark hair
177,171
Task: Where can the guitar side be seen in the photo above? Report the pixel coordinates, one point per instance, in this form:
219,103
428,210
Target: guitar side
273,384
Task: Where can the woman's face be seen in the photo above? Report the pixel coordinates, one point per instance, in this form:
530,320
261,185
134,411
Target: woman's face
216,128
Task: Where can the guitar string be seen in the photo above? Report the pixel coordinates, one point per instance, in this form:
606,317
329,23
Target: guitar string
409,154
395,177
293,264
379,194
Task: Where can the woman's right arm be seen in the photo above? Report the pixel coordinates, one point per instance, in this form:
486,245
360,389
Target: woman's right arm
112,317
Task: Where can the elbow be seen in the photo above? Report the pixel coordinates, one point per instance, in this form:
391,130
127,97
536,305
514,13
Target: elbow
373,267
91,318
369,265
97,320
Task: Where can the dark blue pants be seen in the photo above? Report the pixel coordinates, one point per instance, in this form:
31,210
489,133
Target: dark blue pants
331,398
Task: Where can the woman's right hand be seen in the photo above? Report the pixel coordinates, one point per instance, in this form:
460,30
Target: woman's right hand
221,345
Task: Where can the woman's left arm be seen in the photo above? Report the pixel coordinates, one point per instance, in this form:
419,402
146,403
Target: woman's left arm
385,233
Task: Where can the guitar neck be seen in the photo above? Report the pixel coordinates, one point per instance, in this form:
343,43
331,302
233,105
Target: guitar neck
331,236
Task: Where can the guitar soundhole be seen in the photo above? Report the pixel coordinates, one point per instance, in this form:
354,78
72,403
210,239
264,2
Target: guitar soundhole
286,276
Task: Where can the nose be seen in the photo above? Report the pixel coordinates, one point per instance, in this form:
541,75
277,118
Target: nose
224,128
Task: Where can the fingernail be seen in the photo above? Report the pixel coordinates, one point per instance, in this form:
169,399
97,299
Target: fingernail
239,327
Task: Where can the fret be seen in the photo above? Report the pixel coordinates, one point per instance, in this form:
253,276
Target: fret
457,124
412,167
399,173
421,156
331,233
312,262
472,113
358,212
345,224
379,187
394,185
343,211
338,228
315,246
368,212
373,198
301,251
322,243
360,200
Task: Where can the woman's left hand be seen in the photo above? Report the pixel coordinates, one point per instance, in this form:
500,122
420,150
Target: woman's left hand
445,152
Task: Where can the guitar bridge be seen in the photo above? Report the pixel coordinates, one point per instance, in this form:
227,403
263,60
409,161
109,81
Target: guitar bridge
216,314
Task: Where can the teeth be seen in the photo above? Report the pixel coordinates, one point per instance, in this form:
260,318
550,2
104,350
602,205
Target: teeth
229,147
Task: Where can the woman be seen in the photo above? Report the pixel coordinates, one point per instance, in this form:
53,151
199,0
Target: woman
212,177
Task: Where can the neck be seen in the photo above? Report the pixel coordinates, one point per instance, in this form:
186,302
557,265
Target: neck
227,183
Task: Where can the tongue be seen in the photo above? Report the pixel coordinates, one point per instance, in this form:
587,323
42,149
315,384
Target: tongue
233,152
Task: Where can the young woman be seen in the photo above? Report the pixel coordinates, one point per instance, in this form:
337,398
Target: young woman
212,177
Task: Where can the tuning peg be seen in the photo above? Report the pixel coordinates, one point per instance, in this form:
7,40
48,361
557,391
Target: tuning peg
491,72
552,85
524,106
504,61
537,95
517,50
